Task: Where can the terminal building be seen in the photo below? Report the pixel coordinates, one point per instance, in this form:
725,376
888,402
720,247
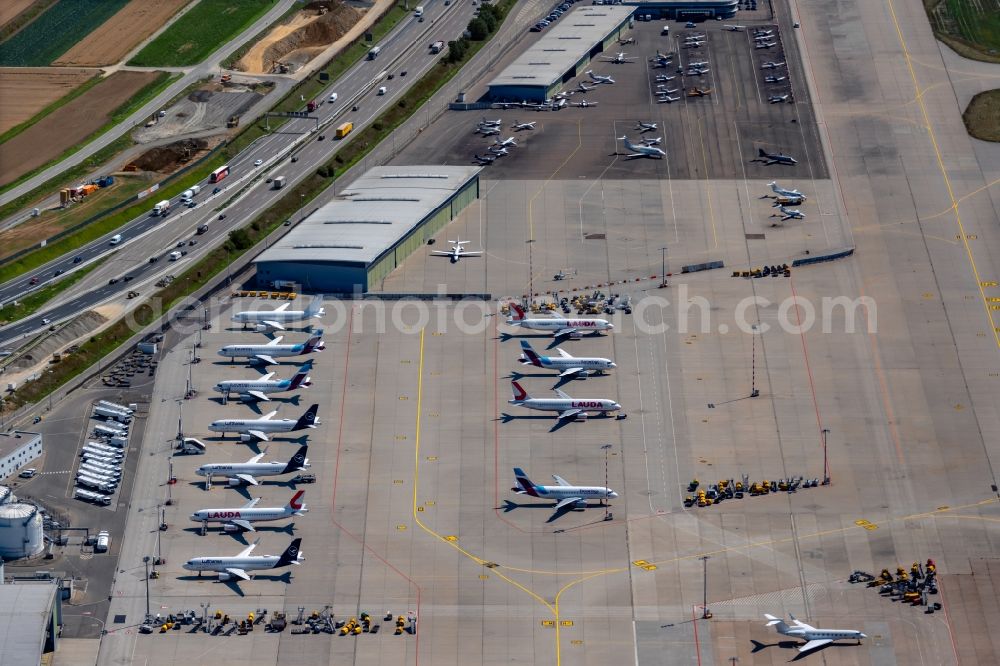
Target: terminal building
17,449
352,243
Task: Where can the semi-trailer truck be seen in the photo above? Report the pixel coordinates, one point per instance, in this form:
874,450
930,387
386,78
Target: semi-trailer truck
279,182
373,53
161,208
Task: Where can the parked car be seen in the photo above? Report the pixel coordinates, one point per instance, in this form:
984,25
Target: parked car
28,473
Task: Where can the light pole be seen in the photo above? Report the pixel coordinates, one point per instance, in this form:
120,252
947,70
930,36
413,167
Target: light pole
826,461
705,613
607,493
663,273
145,561
753,362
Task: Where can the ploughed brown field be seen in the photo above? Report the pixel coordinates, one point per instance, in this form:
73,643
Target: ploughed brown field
11,8
121,33
24,91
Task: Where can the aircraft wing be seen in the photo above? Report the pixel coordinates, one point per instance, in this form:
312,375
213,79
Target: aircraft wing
267,376
259,434
256,458
564,331
265,358
474,253
252,503
441,253
270,415
273,324
274,341
569,413
561,481
239,573
245,524
249,549
812,645
258,395
799,623
248,478
563,352
570,371
566,502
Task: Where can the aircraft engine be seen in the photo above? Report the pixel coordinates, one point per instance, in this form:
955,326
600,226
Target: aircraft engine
262,328
223,577
230,528
246,438
233,481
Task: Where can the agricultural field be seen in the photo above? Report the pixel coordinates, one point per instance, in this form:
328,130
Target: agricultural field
71,124
113,40
56,31
971,27
209,25
25,91
11,8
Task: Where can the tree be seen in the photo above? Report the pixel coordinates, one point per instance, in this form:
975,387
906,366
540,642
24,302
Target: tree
478,30
489,19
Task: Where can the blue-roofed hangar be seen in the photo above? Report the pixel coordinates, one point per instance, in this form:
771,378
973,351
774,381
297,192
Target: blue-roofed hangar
352,243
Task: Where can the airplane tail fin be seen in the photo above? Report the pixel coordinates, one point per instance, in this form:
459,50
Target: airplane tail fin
518,314
776,622
314,342
315,306
530,354
291,554
761,152
309,419
524,483
295,504
300,377
298,461
519,392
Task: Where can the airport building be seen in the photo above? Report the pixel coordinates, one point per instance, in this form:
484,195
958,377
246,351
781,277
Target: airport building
17,449
562,53
352,243
684,10
30,619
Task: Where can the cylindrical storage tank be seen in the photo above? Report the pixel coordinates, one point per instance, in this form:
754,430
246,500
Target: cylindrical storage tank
20,531
6,495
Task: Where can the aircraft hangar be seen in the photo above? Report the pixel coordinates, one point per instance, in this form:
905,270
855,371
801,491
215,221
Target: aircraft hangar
685,9
351,244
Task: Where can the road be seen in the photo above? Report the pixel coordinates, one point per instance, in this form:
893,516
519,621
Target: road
207,68
404,49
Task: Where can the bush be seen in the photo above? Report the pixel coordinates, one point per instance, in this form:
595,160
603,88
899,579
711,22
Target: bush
490,19
239,239
478,30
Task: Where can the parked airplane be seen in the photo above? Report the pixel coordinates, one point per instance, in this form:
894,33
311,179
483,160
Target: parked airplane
765,45
583,87
237,567
666,91
693,45
485,160
266,320
488,131
597,78
777,99
774,79
584,103
558,326
815,637
242,519
517,127
663,78
652,142
457,252
668,100
791,213
645,127
772,65
735,28
619,58
775,158
568,408
568,365
627,41
496,150
257,389
267,353
248,472
642,150
698,64
782,192
257,429
699,92
506,143
490,123
564,494
698,71
763,31
662,57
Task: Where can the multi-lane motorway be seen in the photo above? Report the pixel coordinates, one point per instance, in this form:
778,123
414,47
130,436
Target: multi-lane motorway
244,192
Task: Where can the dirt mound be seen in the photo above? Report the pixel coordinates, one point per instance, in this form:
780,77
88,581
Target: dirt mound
308,33
165,159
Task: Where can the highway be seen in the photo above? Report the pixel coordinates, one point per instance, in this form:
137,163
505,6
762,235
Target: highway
404,49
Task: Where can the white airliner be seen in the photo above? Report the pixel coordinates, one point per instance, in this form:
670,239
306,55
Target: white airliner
257,429
248,472
619,58
557,325
242,519
791,213
772,65
645,127
642,150
815,637
273,349
584,103
782,192
597,78
237,567
268,320
564,494
457,251
257,389
568,365
568,408
517,127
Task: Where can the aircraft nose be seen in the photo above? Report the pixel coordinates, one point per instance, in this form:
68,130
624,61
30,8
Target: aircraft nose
611,327
612,494
613,365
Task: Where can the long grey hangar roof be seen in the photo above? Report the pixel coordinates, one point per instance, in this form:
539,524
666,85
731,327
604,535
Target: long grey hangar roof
373,214
562,45
24,615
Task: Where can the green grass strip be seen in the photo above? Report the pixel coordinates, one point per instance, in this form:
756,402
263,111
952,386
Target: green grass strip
31,303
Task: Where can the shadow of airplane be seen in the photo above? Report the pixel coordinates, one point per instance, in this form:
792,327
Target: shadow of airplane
795,645
558,425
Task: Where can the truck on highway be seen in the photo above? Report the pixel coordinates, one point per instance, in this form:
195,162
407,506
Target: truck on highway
161,208
373,53
175,255
279,182
437,47
419,11
344,129
190,193
311,106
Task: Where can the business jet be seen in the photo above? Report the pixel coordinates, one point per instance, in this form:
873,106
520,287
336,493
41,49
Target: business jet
584,104
517,127
791,213
645,127
764,45
229,568
663,78
568,408
698,64
693,45
667,99
815,637
485,160
782,192
457,251
775,158
506,143
563,494
241,519
699,92
698,71
663,90
763,31
273,349
558,326
777,99
258,429
771,78
618,59
642,150
488,131
772,65
498,151
568,365
652,142
735,28
626,42
258,389
268,320
238,473
583,87
597,78
490,123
